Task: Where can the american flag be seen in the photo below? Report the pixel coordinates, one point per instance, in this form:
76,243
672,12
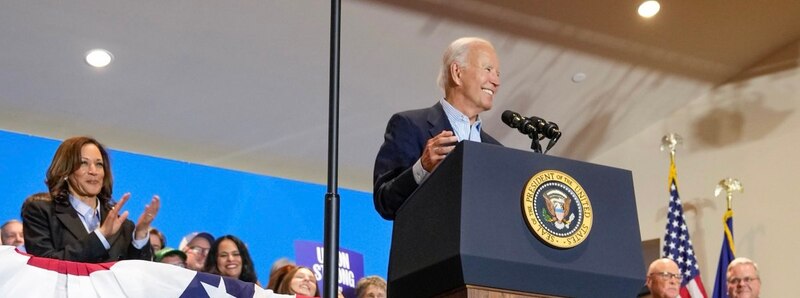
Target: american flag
677,245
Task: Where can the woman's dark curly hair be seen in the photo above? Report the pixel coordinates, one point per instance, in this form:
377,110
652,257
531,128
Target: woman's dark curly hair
66,161
248,269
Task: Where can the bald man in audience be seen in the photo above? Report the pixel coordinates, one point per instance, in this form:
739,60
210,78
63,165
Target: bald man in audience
664,279
12,233
743,279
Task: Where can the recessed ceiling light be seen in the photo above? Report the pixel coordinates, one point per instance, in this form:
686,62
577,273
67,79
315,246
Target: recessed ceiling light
578,77
649,8
99,58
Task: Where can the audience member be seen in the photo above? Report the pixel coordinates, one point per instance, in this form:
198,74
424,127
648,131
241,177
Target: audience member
157,239
280,263
664,279
299,281
11,232
416,141
229,257
371,287
743,279
81,223
171,256
277,275
196,246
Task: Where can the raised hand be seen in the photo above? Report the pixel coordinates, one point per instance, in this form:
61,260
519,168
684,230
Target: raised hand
147,217
114,220
437,148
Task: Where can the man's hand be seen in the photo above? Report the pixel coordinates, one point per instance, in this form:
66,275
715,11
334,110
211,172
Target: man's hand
437,149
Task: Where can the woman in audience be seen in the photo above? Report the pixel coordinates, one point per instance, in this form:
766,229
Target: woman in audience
278,275
81,223
300,281
229,257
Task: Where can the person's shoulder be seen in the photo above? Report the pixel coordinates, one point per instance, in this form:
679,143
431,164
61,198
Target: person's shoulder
44,204
418,114
420,111
37,209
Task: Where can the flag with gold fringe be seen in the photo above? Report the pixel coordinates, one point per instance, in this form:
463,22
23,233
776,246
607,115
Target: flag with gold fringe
677,245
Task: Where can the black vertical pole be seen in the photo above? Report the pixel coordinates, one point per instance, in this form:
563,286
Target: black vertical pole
331,267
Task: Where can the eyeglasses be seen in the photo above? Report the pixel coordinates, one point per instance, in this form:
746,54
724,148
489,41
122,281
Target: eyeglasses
746,279
199,250
667,275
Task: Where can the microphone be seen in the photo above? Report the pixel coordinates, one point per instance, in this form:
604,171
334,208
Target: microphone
547,129
533,127
514,120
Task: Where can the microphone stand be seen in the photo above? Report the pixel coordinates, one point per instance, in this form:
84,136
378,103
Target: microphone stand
535,145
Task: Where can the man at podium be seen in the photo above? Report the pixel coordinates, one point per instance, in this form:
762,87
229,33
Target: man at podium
416,141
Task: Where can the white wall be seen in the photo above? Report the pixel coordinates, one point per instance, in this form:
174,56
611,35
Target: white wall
747,130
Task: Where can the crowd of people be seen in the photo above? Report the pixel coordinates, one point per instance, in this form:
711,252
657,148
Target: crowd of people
743,281
76,220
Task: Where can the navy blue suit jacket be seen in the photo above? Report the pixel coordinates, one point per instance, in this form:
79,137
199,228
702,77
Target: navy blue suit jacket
404,140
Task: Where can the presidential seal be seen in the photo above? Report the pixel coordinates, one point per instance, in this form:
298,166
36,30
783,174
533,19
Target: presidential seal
557,209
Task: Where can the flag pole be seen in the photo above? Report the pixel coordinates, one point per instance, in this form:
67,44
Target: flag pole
728,250
677,243
331,238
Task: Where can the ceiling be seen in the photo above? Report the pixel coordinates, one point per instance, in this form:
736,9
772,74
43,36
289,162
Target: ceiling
244,84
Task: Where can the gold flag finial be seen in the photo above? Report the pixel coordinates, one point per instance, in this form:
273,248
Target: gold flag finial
729,185
670,142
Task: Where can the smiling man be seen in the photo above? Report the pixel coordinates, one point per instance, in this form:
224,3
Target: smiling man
11,232
743,279
416,141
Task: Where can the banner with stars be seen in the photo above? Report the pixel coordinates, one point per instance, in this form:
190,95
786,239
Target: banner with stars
23,275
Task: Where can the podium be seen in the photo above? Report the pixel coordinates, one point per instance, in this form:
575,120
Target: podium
464,231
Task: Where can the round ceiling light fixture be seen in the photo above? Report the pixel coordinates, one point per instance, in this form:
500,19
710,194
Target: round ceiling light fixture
649,8
99,58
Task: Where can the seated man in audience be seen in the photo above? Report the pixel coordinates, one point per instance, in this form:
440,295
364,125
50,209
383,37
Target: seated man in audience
12,234
371,287
196,246
171,256
664,279
743,279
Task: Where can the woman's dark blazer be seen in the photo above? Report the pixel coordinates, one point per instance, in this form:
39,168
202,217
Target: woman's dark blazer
54,230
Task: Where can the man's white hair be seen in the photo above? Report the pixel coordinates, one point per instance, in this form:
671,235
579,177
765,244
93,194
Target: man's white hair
742,261
456,53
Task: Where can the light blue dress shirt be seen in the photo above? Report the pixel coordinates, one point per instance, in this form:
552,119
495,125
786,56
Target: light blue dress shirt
462,128
91,221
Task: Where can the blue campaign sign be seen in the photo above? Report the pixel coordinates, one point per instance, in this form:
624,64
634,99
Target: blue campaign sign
351,264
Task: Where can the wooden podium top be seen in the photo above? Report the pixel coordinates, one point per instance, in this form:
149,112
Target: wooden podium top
471,291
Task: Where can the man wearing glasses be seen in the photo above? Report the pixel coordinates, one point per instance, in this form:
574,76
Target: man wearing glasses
743,279
664,279
196,246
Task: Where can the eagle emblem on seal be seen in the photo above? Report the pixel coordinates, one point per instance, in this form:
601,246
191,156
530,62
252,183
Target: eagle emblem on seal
557,204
